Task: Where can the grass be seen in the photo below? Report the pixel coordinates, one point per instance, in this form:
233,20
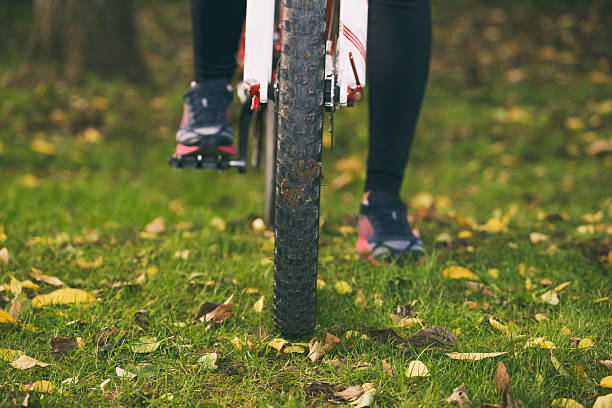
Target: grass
506,123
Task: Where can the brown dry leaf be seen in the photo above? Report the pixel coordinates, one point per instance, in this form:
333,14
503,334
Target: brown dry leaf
434,336
351,393
459,272
156,226
62,345
62,297
607,364
330,342
220,313
599,146
474,356
24,362
204,309
96,263
37,274
502,378
123,373
459,397
6,318
316,351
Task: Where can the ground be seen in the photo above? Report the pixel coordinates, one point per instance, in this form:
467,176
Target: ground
509,177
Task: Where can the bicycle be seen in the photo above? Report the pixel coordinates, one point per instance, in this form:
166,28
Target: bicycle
300,59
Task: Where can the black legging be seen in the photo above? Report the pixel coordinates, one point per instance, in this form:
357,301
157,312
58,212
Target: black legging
399,42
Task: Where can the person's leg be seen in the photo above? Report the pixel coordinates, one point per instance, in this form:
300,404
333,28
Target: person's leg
399,38
205,129
216,27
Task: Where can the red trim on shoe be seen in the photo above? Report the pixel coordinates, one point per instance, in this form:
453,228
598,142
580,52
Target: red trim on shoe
182,149
228,149
361,246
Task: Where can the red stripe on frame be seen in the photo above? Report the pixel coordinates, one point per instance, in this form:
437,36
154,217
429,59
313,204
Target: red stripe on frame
354,39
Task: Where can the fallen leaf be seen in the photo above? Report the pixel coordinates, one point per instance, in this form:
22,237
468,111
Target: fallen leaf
540,317
499,326
585,343
316,351
565,403
607,364
550,297
294,349
459,397
96,263
145,344
209,361
474,356
184,254
10,355
493,273
387,368
218,223
42,386
502,378
156,226
342,287
459,272
258,306
62,297
360,299
4,255
365,400
37,274
62,345
258,225
604,401
434,335
547,344
122,373
399,321
24,362
534,342
220,313
562,286
606,382
536,237
417,369
330,342
103,383
278,343
6,318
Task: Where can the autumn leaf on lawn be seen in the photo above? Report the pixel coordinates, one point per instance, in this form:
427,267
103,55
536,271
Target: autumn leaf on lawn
565,403
156,226
399,321
83,264
258,306
123,373
434,336
558,365
330,342
10,355
536,237
316,351
607,364
294,349
342,287
37,274
604,401
6,318
145,344
417,369
459,272
278,344
220,313
585,343
62,345
24,362
474,356
366,399
459,397
550,297
209,361
480,288
62,297
606,382
499,326
42,386
502,378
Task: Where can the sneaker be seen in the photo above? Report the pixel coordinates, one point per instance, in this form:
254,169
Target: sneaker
205,129
384,231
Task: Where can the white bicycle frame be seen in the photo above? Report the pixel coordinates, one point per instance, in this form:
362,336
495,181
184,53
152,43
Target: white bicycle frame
345,65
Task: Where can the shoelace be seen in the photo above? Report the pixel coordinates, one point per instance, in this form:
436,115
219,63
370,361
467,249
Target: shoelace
207,105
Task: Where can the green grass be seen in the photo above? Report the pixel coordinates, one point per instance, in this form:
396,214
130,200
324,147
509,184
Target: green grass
464,151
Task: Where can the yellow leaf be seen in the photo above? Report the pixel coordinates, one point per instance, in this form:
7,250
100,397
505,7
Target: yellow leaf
585,343
6,318
258,225
565,330
536,237
342,287
493,273
474,356
321,284
459,272
346,230
562,286
342,181
258,306
550,297
540,317
422,200
528,284
603,401
495,225
156,226
417,369
294,349
251,291
349,164
404,321
606,382
464,234
10,355
547,344
218,223
43,147
83,264
42,386
566,403
28,180
277,344
62,297
360,299
497,325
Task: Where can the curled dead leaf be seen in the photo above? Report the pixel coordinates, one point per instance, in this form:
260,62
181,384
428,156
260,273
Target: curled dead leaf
220,313
459,397
435,336
330,342
37,274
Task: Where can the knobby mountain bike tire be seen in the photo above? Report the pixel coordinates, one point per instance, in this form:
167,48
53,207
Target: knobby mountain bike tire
298,164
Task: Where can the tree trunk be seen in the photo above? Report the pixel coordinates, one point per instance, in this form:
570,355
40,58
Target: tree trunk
92,35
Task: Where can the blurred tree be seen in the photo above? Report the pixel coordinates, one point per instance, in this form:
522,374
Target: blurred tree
91,35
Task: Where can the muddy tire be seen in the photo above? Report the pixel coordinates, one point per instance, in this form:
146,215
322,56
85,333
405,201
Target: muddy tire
298,164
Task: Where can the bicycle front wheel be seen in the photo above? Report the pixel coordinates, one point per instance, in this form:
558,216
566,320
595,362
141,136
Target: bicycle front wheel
298,164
